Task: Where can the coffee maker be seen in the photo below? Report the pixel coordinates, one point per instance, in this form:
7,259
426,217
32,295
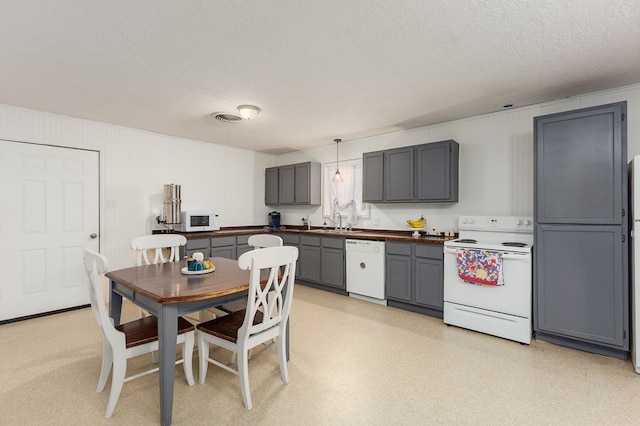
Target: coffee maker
274,220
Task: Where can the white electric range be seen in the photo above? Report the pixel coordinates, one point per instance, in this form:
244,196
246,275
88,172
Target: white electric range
503,307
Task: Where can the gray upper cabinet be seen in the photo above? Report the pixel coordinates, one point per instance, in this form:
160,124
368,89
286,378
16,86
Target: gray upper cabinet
579,168
271,186
398,174
425,173
286,185
437,171
373,176
293,184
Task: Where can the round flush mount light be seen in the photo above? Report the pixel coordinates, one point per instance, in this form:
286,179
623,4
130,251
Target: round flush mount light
248,112
245,112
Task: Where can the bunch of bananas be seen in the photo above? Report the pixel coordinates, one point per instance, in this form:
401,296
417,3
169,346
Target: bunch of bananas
208,264
417,223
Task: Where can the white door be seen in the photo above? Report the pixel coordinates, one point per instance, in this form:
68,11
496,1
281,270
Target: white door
49,213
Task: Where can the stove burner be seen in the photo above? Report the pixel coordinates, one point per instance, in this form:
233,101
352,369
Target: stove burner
467,240
511,244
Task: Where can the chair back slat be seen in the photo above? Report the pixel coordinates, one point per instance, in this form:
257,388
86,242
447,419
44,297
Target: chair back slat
264,240
158,243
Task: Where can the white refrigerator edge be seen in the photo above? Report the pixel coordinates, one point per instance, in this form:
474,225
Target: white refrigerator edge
634,181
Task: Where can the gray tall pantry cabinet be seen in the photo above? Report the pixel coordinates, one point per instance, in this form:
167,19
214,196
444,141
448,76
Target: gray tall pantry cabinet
581,285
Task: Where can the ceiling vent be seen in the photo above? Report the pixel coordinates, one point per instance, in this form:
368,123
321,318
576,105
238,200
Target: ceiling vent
227,117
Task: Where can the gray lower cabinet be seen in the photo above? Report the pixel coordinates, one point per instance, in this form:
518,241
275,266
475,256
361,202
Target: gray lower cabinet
580,292
428,267
309,256
415,277
198,244
292,240
398,271
333,262
426,173
322,262
224,247
293,184
242,245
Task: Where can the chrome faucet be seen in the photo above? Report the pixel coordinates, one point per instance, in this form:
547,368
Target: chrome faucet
339,221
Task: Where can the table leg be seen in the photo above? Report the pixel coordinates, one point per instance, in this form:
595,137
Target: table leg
115,305
167,335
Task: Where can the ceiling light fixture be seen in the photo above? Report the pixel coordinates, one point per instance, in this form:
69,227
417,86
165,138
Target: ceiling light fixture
337,177
227,117
248,112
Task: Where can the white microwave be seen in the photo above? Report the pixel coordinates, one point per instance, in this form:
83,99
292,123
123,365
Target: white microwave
200,220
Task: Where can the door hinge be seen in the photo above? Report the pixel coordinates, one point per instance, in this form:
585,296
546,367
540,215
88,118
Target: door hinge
623,212
622,117
624,334
623,238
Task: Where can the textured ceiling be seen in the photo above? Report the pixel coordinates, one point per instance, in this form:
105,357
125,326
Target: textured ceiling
319,69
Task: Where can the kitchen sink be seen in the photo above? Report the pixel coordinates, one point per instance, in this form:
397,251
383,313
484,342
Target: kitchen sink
341,231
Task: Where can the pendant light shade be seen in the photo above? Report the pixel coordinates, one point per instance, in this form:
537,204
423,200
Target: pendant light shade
337,177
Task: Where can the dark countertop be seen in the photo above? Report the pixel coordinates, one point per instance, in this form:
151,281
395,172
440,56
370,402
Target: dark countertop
356,234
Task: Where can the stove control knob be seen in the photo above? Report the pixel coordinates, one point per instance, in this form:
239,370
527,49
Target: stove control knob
463,220
519,222
527,222
471,221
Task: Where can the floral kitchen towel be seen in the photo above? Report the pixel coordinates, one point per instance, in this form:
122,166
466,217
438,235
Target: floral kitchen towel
480,267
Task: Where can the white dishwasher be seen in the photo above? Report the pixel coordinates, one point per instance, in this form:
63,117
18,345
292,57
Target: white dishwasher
365,270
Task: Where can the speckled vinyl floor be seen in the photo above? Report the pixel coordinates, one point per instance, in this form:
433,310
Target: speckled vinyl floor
352,363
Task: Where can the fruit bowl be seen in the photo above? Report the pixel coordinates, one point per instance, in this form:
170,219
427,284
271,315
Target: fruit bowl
417,224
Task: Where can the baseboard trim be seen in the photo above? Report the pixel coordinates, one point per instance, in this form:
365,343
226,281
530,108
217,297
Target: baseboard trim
43,314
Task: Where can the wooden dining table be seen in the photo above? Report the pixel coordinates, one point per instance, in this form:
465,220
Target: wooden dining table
166,292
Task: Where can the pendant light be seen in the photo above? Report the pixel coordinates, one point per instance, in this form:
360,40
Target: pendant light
337,177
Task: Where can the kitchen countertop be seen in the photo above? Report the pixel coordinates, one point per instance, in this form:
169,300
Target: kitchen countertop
357,234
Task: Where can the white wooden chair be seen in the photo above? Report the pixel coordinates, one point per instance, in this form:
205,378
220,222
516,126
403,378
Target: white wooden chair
128,340
256,241
159,243
264,319
264,240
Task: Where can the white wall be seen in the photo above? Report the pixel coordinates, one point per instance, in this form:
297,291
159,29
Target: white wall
496,162
135,166
496,168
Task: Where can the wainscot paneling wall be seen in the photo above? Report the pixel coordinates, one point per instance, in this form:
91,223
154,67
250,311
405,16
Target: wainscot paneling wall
135,166
496,168
496,162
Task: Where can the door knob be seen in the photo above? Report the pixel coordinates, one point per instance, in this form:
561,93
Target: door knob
94,236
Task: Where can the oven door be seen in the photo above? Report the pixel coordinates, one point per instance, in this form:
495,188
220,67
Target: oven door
513,298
